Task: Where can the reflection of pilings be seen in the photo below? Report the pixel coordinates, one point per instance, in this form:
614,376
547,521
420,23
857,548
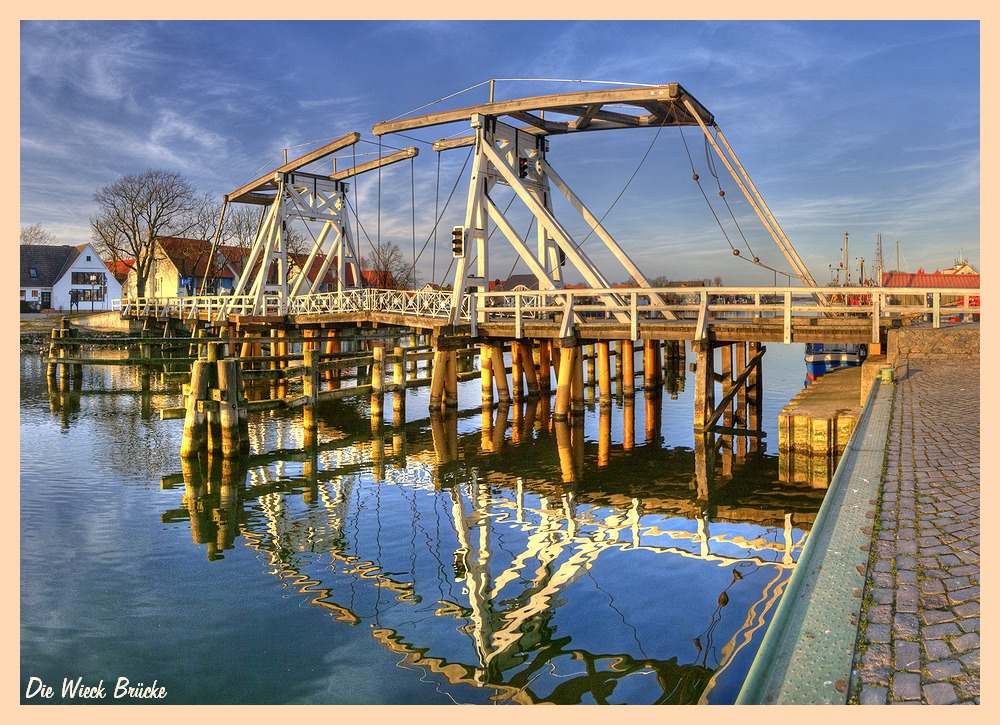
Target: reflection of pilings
654,414
444,435
604,437
704,464
569,441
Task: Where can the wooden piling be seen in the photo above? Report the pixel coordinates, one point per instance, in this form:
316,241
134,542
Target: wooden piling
628,367
564,384
604,374
528,368
516,371
499,373
451,380
399,388
704,384
310,388
378,378
577,390
438,372
486,374
194,437
228,402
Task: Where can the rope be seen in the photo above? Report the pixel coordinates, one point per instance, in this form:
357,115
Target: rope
627,183
736,252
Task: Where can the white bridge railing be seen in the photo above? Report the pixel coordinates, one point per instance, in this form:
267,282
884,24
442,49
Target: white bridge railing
704,306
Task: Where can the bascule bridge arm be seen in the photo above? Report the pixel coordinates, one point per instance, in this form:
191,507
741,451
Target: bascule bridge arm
255,191
656,105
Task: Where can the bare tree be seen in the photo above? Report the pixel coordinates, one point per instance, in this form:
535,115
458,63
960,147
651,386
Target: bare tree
205,218
37,234
661,281
137,209
387,257
241,225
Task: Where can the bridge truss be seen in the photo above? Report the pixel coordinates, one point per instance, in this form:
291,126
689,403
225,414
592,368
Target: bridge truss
290,192
511,141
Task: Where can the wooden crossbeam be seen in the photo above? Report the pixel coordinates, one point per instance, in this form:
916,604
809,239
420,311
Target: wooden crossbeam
587,106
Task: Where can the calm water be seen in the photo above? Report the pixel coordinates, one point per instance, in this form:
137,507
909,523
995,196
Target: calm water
431,564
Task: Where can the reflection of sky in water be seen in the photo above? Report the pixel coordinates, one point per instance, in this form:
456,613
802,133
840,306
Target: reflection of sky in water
365,589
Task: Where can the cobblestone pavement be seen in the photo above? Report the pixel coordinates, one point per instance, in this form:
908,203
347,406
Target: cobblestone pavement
919,628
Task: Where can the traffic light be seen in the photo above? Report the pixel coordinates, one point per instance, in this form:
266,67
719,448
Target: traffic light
458,241
522,167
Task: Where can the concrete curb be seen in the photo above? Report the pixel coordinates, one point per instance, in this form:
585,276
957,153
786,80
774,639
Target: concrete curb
807,655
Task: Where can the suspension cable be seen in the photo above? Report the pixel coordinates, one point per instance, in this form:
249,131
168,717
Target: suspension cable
627,183
736,252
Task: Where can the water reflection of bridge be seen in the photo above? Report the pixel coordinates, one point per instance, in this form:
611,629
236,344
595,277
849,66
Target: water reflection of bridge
350,520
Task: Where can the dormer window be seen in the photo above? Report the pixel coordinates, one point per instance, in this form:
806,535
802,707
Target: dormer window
32,272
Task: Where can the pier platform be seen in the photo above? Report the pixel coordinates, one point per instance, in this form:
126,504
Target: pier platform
884,605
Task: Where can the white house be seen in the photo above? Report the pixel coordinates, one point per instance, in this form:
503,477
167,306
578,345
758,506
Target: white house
66,277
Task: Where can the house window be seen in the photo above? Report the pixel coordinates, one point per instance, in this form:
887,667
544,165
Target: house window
22,294
34,293
91,278
32,272
88,257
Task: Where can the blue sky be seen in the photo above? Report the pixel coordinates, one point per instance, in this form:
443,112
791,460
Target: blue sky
864,127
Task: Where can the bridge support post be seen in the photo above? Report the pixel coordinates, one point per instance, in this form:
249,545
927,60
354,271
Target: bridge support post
569,358
310,388
499,369
439,372
516,371
604,374
704,384
544,354
628,367
651,363
577,390
378,378
194,437
451,380
528,368
399,388
486,374
591,358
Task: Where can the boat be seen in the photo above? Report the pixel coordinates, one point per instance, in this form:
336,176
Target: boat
822,357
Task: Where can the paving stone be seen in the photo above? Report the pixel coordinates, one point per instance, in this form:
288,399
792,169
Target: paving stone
969,624
964,595
944,669
968,609
907,656
937,631
873,695
907,626
937,616
906,686
966,642
940,693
